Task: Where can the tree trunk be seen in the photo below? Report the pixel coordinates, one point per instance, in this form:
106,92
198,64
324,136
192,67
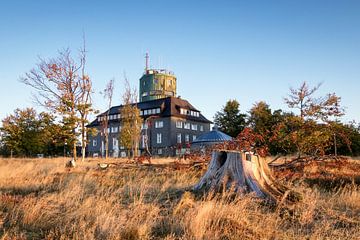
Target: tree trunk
243,173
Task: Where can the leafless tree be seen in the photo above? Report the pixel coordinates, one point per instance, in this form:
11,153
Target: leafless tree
108,95
84,105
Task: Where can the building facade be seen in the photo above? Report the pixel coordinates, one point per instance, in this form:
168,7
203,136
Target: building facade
170,123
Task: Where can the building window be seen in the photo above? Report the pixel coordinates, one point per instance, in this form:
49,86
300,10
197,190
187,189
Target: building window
94,143
144,126
158,138
159,151
193,127
141,112
119,116
143,141
194,137
159,124
115,143
114,129
178,137
158,110
187,138
187,125
201,128
178,124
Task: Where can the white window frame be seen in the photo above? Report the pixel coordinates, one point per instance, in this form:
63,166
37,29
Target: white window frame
143,141
114,129
194,138
159,124
115,143
179,124
94,142
201,128
178,138
158,110
194,127
187,125
187,138
158,138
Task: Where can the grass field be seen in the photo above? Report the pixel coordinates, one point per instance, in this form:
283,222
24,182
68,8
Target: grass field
41,199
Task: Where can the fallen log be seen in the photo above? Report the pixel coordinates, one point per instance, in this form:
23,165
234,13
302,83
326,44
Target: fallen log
243,172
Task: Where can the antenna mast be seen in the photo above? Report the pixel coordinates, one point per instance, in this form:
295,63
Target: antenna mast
146,61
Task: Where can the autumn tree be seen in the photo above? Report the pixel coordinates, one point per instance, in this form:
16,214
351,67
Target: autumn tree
230,120
60,84
130,121
311,131
311,107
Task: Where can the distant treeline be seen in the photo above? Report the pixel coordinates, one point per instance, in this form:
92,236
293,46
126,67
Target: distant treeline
315,130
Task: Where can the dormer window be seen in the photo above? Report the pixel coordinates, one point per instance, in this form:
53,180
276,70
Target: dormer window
184,111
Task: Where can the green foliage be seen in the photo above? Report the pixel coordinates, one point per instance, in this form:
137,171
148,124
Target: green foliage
264,122
27,133
230,120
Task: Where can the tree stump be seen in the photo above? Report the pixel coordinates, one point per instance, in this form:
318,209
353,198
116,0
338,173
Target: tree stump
243,172
70,164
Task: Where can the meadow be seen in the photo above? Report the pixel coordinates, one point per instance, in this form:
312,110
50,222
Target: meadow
41,199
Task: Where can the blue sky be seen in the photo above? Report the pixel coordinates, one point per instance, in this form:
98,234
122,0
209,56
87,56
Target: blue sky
219,50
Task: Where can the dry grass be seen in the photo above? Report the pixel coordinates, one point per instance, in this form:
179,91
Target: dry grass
40,199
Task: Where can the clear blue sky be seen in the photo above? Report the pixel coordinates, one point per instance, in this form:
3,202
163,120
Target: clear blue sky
219,50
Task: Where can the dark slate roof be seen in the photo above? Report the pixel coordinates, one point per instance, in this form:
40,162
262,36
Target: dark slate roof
213,136
169,106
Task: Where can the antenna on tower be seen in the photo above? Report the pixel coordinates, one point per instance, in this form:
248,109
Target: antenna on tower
146,61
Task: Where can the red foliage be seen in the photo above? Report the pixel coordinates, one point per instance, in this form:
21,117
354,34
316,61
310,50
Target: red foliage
247,140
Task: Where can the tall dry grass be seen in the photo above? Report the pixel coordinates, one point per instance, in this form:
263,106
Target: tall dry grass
40,199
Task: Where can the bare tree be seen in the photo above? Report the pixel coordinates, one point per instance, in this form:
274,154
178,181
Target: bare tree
108,95
84,105
58,84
